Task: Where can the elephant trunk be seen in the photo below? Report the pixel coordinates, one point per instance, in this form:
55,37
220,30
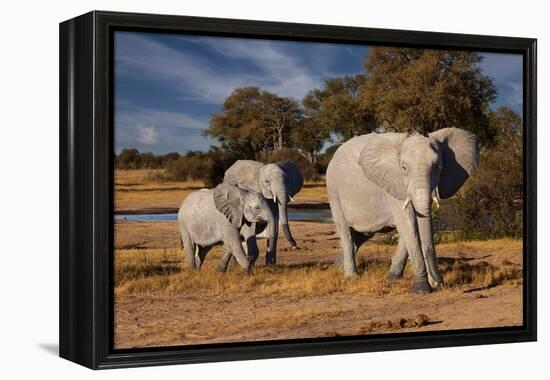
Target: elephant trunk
282,200
424,221
422,202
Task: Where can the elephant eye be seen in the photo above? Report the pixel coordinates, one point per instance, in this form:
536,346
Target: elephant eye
404,168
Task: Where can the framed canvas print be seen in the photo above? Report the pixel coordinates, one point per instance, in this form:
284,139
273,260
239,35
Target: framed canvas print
237,189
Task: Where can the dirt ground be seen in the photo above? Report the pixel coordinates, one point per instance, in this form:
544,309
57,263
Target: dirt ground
159,302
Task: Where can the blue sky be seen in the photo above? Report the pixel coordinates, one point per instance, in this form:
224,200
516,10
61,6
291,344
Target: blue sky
167,86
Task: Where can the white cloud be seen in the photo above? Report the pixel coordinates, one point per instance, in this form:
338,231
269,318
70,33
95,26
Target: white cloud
159,131
203,81
147,135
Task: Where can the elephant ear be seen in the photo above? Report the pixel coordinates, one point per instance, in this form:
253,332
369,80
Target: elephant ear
294,180
244,174
229,200
460,153
379,160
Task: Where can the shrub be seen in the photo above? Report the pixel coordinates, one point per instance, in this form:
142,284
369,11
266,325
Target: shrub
188,167
491,203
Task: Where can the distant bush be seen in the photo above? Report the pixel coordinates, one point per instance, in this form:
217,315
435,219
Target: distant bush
130,159
207,166
192,166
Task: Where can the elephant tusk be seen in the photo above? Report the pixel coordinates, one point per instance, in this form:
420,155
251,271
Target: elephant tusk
274,198
291,199
407,201
436,198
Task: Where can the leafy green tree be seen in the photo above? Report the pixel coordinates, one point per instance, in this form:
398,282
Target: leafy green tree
149,160
309,139
237,127
278,117
337,108
425,90
253,121
491,202
128,159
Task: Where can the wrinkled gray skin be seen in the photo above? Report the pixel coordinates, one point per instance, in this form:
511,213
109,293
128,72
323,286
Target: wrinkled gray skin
276,182
224,215
378,182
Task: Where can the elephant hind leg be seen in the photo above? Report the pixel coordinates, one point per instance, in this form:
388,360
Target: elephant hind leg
398,262
190,247
346,261
223,264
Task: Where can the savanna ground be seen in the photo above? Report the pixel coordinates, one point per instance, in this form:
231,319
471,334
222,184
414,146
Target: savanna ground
160,302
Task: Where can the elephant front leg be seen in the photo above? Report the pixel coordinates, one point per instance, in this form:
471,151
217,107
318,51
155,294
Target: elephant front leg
271,257
225,259
233,241
398,262
252,249
405,221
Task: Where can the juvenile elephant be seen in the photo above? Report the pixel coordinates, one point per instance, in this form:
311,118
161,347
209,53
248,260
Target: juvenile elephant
380,181
224,215
278,183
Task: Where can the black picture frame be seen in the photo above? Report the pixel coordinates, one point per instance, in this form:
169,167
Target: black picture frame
86,189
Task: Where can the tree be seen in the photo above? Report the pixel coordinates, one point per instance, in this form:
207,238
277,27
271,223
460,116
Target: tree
419,90
128,159
253,121
237,126
490,204
338,110
309,139
278,117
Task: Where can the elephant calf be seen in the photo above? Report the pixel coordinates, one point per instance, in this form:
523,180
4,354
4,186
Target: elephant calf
224,215
277,183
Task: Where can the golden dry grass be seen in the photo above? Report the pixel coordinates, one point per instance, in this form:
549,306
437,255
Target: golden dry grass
137,190
162,273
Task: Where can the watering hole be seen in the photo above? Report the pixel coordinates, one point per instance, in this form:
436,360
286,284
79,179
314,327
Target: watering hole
302,215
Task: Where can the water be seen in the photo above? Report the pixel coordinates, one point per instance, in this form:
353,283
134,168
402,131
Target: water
304,215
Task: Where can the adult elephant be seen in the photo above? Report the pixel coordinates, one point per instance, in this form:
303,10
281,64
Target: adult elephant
381,181
277,182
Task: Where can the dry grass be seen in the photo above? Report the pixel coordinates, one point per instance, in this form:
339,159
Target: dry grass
137,190
162,273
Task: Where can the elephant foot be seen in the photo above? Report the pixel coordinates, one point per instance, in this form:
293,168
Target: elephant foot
270,261
394,276
222,269
433,283
352,275
421,287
